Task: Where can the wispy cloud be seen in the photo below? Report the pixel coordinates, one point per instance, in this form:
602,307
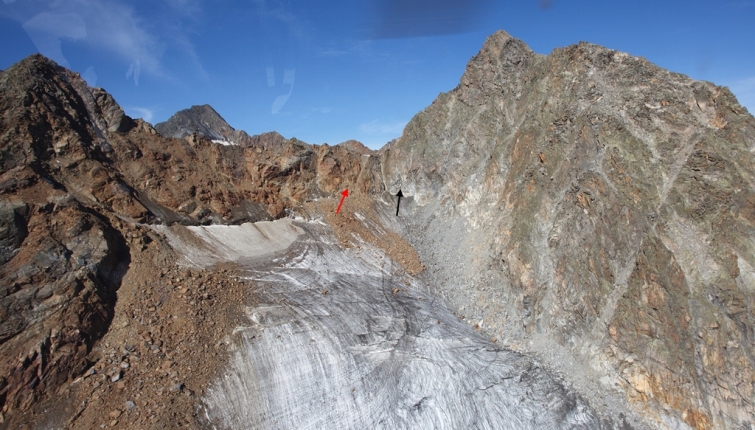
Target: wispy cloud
141,112
134,69
114,27
317,111
284,32
108,26
362,49
380,127
176,25
744,85
90,76
185,7
46,30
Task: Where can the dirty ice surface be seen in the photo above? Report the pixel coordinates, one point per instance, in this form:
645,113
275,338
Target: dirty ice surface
203,246
344,339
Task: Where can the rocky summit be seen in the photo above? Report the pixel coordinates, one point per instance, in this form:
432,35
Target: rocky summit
575,248
200,120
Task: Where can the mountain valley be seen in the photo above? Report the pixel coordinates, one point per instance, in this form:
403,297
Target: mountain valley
575,248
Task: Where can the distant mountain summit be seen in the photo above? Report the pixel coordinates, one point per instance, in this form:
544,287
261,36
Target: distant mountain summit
201,120
357,146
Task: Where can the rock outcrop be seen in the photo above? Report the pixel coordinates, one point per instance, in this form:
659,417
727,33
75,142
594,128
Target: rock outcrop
61,260
605,211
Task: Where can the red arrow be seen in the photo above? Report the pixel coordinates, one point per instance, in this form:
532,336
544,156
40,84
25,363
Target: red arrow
344,194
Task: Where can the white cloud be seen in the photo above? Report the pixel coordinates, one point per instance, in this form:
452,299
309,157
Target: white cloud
363,49
747,84
90,76
113,27
106,25
134,69
47,29
186,7
141,112
331,52
289,76
378,127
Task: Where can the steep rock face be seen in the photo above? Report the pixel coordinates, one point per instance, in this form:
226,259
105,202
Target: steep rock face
608,207
58,294
61,261
234,183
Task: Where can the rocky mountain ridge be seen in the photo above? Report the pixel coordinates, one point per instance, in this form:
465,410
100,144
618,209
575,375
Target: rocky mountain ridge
587,207
77,176
610,203
206,122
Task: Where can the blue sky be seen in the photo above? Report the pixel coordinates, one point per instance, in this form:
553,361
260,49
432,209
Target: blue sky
329,71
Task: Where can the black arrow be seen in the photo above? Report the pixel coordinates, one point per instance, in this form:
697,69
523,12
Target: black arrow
399,195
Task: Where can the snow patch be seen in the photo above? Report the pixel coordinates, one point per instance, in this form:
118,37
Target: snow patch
224,142
204,246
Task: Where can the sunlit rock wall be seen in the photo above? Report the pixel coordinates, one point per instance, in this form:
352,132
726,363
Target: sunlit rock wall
589,204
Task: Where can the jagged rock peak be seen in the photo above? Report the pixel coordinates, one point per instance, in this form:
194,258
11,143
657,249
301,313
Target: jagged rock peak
201,120
34,64
501,42
32,80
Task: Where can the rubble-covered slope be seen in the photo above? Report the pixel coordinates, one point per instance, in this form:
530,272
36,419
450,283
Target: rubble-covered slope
601,210
77,176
